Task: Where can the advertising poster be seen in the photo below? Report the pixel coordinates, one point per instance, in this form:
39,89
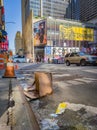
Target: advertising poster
76,33
48,50
40,36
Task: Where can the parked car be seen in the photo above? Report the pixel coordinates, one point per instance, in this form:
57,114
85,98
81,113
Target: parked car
19,59
80,58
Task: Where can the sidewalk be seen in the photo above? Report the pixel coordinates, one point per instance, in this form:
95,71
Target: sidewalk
4,99
15,111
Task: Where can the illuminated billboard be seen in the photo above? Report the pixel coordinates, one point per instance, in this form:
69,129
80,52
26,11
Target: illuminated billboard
76,33
40,35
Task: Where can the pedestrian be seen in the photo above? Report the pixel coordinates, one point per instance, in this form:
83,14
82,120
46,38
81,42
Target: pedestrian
48,60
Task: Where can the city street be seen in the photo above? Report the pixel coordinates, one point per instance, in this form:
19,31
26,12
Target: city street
48,65
74,85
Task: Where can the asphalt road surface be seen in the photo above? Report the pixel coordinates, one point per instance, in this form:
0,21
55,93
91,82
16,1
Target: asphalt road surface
78,84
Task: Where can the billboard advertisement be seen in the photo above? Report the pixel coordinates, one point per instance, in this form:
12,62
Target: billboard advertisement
40,35
76,33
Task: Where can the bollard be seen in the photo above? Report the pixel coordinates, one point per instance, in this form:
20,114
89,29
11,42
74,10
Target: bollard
1,63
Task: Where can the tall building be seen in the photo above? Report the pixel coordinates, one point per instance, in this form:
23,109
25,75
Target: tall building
53,8
49,33
88,10
88,13
1,2
18,42
83,10
38,8
43,8
73,10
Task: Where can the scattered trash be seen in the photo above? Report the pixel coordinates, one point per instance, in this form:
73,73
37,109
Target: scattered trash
41,86
25,89
53,115
24,86
49,124
28,78
61,108
77,107
81,127
30,88
21,78
43,83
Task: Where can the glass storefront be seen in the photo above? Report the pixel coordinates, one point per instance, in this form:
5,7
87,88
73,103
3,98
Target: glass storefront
70,35
65,36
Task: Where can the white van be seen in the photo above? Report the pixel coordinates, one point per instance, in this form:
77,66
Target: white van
19,59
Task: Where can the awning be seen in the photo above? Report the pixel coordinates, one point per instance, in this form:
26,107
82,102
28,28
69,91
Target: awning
3,32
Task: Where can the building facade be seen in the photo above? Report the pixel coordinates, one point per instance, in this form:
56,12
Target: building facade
1,2
51,37
62,36
88,13
39,8
45,8
83,10
18,43
73,10
88,10
3,34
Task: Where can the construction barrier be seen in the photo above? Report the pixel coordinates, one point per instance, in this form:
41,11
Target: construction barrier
42,85
9,71
1,63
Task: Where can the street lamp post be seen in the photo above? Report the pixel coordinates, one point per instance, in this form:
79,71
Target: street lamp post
8,23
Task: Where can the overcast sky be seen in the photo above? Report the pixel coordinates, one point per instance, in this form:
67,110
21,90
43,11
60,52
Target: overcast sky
12,19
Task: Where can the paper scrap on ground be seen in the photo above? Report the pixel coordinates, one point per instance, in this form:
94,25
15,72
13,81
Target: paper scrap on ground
61,108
